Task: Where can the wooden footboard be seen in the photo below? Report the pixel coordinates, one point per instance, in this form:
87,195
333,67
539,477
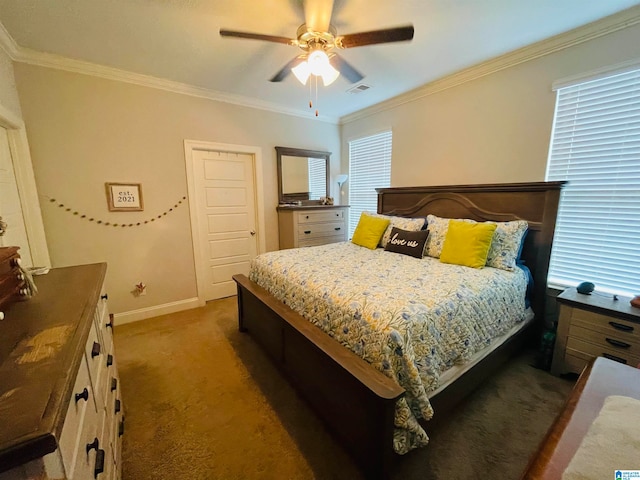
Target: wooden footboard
356,401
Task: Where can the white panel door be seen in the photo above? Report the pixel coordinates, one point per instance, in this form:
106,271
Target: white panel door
224,184
10,206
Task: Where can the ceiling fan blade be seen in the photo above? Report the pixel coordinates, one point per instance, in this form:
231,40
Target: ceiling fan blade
286,70
345,69
256,36
317,14
398,34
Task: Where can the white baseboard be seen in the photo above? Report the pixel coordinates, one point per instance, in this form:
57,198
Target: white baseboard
155,311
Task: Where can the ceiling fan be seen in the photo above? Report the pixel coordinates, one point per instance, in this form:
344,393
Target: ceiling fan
317,38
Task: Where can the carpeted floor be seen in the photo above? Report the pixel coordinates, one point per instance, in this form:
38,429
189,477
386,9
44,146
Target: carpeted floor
203,402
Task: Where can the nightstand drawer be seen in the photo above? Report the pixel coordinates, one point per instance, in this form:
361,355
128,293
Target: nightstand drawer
315,217
606,325
576,346
612,341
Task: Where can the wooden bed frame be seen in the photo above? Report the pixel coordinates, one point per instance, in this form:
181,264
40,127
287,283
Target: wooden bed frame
355,400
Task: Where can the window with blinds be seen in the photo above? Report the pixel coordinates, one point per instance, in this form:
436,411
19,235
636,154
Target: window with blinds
317,178
369,168
595,146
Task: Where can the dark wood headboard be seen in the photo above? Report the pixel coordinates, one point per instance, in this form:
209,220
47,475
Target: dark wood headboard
536,202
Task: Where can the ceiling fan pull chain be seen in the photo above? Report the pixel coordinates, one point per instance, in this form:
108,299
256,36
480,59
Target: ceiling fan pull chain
316,77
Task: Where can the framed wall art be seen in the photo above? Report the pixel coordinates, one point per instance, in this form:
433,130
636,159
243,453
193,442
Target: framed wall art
124,197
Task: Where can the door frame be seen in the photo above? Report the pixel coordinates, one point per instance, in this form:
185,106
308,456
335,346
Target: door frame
27,189
256,152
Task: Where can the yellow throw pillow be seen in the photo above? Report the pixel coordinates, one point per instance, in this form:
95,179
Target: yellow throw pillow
369,231
467,243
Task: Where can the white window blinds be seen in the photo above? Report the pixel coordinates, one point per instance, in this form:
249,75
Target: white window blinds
317,178
369,168
595,146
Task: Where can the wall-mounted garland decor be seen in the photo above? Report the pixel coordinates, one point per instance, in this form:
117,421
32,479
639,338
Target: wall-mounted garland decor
98,221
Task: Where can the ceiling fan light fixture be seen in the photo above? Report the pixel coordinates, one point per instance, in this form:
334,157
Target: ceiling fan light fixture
330,75
317,64
302,72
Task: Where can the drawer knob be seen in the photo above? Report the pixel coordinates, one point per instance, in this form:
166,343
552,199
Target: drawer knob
20,276
337,229
307,232
93,445
109,324
95,350
621,327
104,297
118,407
114,384
99,463
1,315
121,428
109,360
252,232
307,217
617,343
82,396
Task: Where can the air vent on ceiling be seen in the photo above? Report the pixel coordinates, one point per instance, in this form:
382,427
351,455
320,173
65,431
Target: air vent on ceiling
361,87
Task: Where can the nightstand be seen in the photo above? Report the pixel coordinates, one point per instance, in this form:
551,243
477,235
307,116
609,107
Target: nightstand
595,326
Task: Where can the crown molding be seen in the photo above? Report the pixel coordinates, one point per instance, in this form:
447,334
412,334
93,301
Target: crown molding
48,60
613,23
7,43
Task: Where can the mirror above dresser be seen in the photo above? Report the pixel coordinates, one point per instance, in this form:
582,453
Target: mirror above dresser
303,175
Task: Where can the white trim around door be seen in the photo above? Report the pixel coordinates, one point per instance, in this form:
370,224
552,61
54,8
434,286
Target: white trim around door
26,183
195,145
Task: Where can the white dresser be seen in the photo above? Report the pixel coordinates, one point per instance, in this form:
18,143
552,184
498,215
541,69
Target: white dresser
60,403
312,225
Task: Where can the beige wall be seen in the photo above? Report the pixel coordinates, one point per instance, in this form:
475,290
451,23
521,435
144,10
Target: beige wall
490,130
85,131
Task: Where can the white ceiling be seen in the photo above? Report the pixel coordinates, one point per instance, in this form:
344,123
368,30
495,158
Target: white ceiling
178,40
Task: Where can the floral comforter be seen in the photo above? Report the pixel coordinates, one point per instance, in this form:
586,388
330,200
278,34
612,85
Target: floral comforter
410,318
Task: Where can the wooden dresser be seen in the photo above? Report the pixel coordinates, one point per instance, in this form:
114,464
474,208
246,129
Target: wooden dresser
61,412
595,326
312,225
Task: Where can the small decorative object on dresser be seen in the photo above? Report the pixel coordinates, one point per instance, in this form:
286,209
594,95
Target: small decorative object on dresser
595,326
635,301
312,225
13,283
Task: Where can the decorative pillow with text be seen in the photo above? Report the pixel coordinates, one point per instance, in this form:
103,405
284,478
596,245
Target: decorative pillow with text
407,242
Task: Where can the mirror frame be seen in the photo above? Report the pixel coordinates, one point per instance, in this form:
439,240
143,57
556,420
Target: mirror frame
300,152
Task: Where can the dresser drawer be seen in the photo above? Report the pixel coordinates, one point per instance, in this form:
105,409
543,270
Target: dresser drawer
80,411
315,217
320,229
315,241
576,347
